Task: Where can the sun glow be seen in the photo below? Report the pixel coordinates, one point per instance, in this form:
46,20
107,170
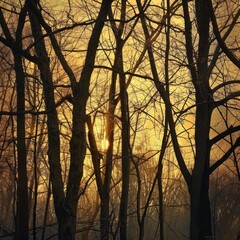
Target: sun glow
104,144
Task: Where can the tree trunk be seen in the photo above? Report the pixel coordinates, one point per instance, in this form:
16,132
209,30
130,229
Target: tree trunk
22,184
160,193
125,158
104,217
103,189
200,226
81,94
66,207
200,215
52,121
45,219
105,200
200,221
205,217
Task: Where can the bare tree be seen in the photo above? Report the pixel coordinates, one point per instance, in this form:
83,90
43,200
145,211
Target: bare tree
198,181
66,206
22,185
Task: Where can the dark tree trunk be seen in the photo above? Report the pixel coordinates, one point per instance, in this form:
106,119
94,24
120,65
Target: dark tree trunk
200,214
104,215
103,189
49,192
52,121
125,158
125,121
125,165
22,184
66,206
205,214
200,224
81,94
160,193
118,63
22,217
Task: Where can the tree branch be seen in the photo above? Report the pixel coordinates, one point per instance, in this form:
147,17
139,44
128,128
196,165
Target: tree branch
68,97
224,157
224,134
96,156
227,98
160,87
225,84
217,52
9,40
54,42
235,60
189,41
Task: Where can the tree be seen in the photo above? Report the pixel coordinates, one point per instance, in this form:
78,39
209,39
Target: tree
66,206
22,185
198,181
205,104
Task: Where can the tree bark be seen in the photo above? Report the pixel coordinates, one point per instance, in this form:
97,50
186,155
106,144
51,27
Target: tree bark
200,223
125,157
22,184
52,123
22,218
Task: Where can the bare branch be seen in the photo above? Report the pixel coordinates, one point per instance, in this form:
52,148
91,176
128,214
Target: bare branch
232,95
96,156
217,52
10,42
224,157
68,97
55,44
225,84
224,134
160,87
189,41
217,34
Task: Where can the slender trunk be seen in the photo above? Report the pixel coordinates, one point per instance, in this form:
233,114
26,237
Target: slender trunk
104,217
78,148
103,189
49,192
165,135
105,200
125,158
159,178
52,122
200,223
141,231
160,193
125,124
81,94
35,165
22,184
118,62
205,216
